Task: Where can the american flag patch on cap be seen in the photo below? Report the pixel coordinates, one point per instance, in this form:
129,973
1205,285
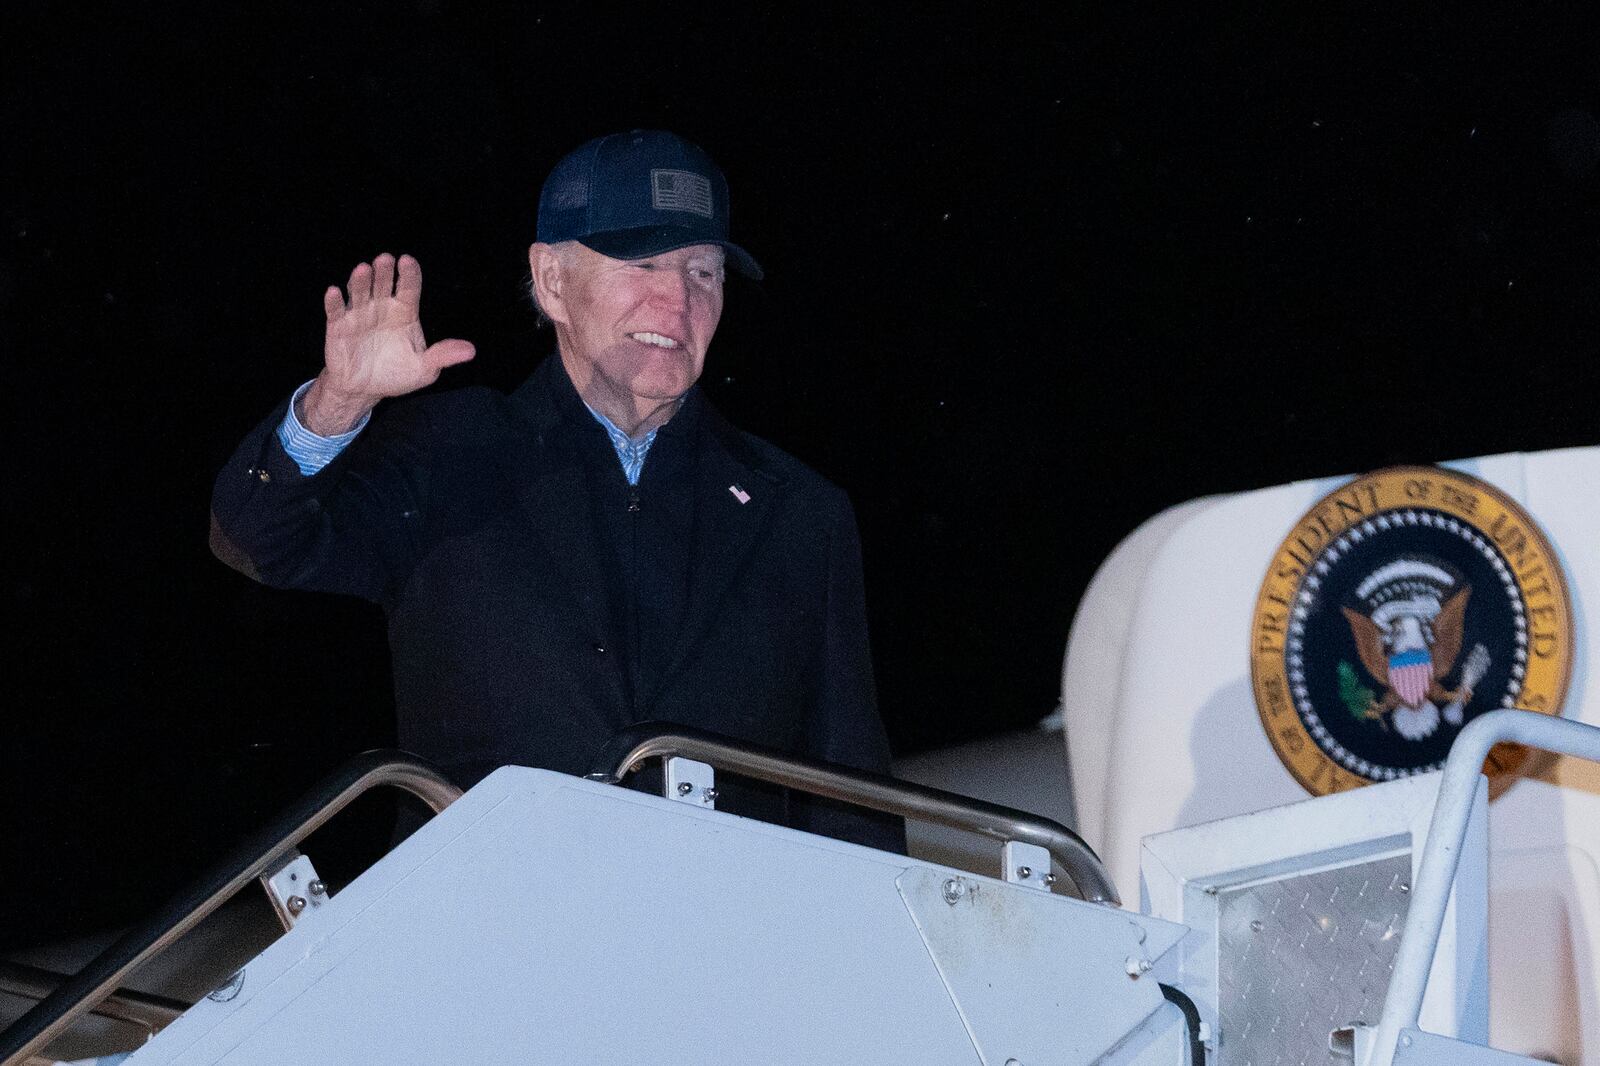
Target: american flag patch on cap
680,190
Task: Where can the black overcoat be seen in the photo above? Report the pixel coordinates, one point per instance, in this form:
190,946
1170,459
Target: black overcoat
536,603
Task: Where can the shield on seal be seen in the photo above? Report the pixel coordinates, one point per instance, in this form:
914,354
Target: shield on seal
1410,674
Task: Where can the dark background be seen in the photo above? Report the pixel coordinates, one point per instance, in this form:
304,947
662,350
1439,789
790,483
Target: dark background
1029,282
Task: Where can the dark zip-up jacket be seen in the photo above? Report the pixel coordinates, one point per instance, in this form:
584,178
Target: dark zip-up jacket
537,603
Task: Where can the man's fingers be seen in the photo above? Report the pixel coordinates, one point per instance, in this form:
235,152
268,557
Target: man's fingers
409,288
360,285
448,353
333,303
383,276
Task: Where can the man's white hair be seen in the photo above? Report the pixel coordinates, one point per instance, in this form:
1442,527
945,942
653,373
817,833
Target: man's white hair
566,253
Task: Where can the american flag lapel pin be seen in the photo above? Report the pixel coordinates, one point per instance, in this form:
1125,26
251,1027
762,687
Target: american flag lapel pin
739,494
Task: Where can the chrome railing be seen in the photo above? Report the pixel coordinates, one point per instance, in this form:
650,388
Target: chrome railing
1441,854
149,1012
648,740
95,984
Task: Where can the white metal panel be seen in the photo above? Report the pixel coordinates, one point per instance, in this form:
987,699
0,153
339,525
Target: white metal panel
543,918
1087,967
1188,875
547,919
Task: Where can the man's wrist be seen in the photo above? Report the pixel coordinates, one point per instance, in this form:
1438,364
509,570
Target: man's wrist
329,413
310,451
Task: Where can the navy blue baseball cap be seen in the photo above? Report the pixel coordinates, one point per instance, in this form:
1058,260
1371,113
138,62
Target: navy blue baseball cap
636,194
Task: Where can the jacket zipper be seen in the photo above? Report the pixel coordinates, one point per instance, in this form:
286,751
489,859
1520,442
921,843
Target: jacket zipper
633,598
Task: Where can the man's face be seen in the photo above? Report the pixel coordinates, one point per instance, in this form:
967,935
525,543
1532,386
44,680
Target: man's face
639,328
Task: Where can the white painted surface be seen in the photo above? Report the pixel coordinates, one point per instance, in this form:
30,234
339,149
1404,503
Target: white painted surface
543,918
1096,1004
1545,901
1164,640
1092,671
1183,867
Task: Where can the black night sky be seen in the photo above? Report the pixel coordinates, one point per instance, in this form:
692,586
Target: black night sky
1031,279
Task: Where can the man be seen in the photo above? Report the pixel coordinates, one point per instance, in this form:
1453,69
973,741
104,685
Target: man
598,548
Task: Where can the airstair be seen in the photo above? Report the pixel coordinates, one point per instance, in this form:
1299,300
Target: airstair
546,918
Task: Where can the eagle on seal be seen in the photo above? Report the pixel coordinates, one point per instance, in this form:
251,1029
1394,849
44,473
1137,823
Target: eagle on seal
1410,642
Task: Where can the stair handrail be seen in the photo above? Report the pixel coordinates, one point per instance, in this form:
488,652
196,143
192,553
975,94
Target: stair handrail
149,1012
104,974
1441,855
875,791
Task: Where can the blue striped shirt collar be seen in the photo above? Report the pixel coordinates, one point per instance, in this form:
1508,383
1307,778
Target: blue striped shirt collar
630,451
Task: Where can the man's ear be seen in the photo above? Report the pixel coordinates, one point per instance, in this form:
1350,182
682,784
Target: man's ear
546,269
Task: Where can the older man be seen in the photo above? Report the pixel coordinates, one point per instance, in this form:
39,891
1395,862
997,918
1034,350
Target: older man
598,548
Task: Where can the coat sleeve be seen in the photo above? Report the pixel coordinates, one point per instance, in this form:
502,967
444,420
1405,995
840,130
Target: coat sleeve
350,528
844,726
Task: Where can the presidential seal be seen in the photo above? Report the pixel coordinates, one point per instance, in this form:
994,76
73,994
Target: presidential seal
1400,607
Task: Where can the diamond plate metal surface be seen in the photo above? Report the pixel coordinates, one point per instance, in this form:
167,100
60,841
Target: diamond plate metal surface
1303,954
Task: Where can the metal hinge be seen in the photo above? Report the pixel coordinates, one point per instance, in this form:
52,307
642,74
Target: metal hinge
693,782
293,887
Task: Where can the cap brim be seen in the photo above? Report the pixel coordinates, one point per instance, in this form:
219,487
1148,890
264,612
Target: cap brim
653,240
